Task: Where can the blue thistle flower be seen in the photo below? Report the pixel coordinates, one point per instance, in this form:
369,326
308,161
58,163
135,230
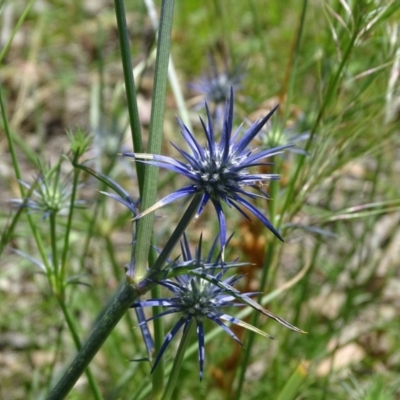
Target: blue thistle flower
214,87
202,294
219,170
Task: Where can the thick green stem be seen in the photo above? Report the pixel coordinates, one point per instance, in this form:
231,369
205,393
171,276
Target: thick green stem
72,328
103,329
114,313
145,225
129,86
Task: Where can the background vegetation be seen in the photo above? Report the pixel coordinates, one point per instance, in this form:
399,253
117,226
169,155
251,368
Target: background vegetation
333,67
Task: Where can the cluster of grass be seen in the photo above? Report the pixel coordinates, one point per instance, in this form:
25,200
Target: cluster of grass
333,67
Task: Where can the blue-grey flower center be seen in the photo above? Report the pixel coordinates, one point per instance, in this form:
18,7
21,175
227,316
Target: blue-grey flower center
198,306
216,177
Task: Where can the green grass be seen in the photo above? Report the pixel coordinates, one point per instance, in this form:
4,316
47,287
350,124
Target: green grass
333,70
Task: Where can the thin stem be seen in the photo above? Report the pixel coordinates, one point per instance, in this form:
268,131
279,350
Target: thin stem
115,311
98,337
10,142
115,266
54,255
59,345
190,212
330,91
158,373
178,232
254,321
90,232
292,386
145,225
292,66
8,231
260,32
69,225
130,86
16,29
17,172
173,377
304,288
74,333
274,190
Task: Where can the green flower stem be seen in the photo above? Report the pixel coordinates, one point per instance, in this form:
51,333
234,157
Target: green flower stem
158,374
148,196
173,377
72,328
291,82
158,325
172,75
115,265
293,62
130,86
329,95
115,311
254,321
259,31
24,194
274,188
178,232
69,225
10,142
8,231
118,272
291,389
333,83
16,29
54,253
90,232
39,244
304,288
274,191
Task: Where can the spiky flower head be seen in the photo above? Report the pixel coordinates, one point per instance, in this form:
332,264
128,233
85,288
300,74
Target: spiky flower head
215,86
219,171
203,294
49,193
280,137
272,136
